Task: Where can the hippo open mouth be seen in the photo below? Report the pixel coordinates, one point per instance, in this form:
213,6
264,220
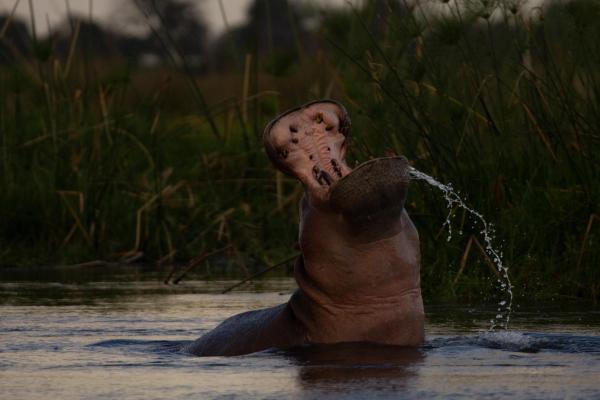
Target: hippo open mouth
310,142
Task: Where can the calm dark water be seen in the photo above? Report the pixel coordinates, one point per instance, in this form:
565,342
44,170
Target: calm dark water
73,334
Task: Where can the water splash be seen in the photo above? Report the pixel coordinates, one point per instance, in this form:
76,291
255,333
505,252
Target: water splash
453,199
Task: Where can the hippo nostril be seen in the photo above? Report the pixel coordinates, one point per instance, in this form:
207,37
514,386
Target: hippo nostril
293,129
329,127
295,140
310,157
319,118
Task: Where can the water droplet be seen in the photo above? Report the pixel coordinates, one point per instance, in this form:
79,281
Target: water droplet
453,199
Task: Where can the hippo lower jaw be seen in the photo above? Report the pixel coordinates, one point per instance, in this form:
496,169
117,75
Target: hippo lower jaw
373,191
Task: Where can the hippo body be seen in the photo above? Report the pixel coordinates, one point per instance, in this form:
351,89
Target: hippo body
358,274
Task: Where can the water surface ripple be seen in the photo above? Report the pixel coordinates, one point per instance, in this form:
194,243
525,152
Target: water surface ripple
109,340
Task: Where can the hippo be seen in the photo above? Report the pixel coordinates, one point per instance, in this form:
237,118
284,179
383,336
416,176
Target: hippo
358,273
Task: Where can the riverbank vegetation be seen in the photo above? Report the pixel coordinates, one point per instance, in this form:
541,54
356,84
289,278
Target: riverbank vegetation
107,157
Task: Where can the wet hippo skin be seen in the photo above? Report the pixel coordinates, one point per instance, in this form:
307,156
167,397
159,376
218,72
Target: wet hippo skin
359,272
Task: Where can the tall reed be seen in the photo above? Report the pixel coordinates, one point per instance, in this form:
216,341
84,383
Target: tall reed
102,160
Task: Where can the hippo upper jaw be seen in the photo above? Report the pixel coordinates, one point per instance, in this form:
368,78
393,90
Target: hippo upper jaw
310,143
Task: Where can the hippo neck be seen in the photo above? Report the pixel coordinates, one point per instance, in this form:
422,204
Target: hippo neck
375,226
341,265
391,319
353,301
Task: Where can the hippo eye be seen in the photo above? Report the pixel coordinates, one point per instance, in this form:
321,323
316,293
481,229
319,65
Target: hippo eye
319,118
329,127
283,153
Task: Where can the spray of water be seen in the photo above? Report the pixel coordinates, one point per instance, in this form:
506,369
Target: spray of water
502,317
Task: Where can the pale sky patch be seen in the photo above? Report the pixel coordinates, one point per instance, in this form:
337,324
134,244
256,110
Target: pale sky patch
53,12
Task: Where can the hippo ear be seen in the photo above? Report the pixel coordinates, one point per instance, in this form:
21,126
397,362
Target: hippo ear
373,193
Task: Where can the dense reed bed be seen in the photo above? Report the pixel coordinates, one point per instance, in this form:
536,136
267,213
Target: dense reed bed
105,161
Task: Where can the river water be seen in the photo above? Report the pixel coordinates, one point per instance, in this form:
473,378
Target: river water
117,334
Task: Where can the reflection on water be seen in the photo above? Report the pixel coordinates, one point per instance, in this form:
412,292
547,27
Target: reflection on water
120,338
344,366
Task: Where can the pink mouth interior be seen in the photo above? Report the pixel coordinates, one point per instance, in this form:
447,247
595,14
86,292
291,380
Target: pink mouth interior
310,143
